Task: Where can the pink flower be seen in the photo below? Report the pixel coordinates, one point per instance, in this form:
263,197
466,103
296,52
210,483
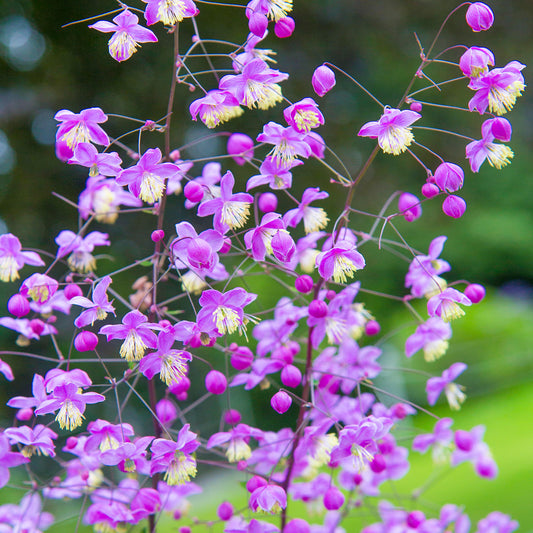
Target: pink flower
8,459
323,80
340,262
97,308
432,337
127,34
76,128
449,177
80,248
436,385
100,164
288,143
39,287
269,498
12,258
475,61
215,108
304,115
314,218
409,206
445,304
169,11
392,130
479,16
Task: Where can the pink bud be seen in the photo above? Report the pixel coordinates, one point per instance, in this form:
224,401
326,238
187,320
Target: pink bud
267,202
258,23
475,292
193,191
85,341
72,290
298,525
318,309
166,411
323,80
157,235
175,155
304,284
226,247
18,306
71,443
240,147
331,294
242,358
463,440
225,511
216,382
372,328
454,206
180,388
449,177
479,16
409,206
291,376
232,417
429,190
281,402
24,414
283,247
284,27
500,127
416,106
378,464
415,519
333,499
254,483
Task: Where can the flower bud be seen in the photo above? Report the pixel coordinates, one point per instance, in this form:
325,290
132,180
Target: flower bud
378,464
24,414
372,327
415,519
180,389
267,202
254,483
216,382
193,191
166,411
157,235
283,247
225,511
291,376
226,247
304,284
318,309
242,358
284,27
298,525
454,206
479,16
333,499
281,402
415,106
463,440
72,290
449,177
499,127
18,306
85,341
323,80
475,292
258,24
409,206
232,417
429,190
240,147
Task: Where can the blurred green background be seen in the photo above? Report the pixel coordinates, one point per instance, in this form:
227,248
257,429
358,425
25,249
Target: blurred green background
44,68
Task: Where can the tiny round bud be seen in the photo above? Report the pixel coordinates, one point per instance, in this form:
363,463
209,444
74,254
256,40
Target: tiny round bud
479,16
409,206
157,235
372,327
85,341
254,483
454,206
463,440
242,465
193,191
318,309
18,306
333,499
475,292
71,443
323,80
416,106
181,387
284,27
242,358
72,290
267,202
281,402
378,464
184,529
225,511
175,155
258,24
304,284
429,190
232,417
166,411
241,148
291,376
415,519
24,414
331,294
298,525
216,382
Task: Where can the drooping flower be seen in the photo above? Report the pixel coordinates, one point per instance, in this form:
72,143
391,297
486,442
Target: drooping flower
288,143
269,498
273,9
80,248
127,34
236,441
259,239
100,164
470,447
8,459
315,218
35,440
340,262
274,172
392,130
39,287
97,308
106,436
12,258
445,304
475,61
304,115
76,128
169,11
147,179
453,392
323,80
215,108
432,337
479,16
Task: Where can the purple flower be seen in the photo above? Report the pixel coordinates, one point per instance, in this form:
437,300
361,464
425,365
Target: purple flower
169,11
470,447
288,143
449,177
29,329
81,258
440,440
304,115
39,287
146,179
445,304
97,308
231,210
28,515
128,456
273,9
269,498
479,16
215,108
76,128
256,86
475,61
274,172
39,395
315,218
105,435
105,164
127,35
12,258
236,441
436,385
171,365
431,336
37,439
259,239
223,313
8,459
137,332
496,522
340,262
392,130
